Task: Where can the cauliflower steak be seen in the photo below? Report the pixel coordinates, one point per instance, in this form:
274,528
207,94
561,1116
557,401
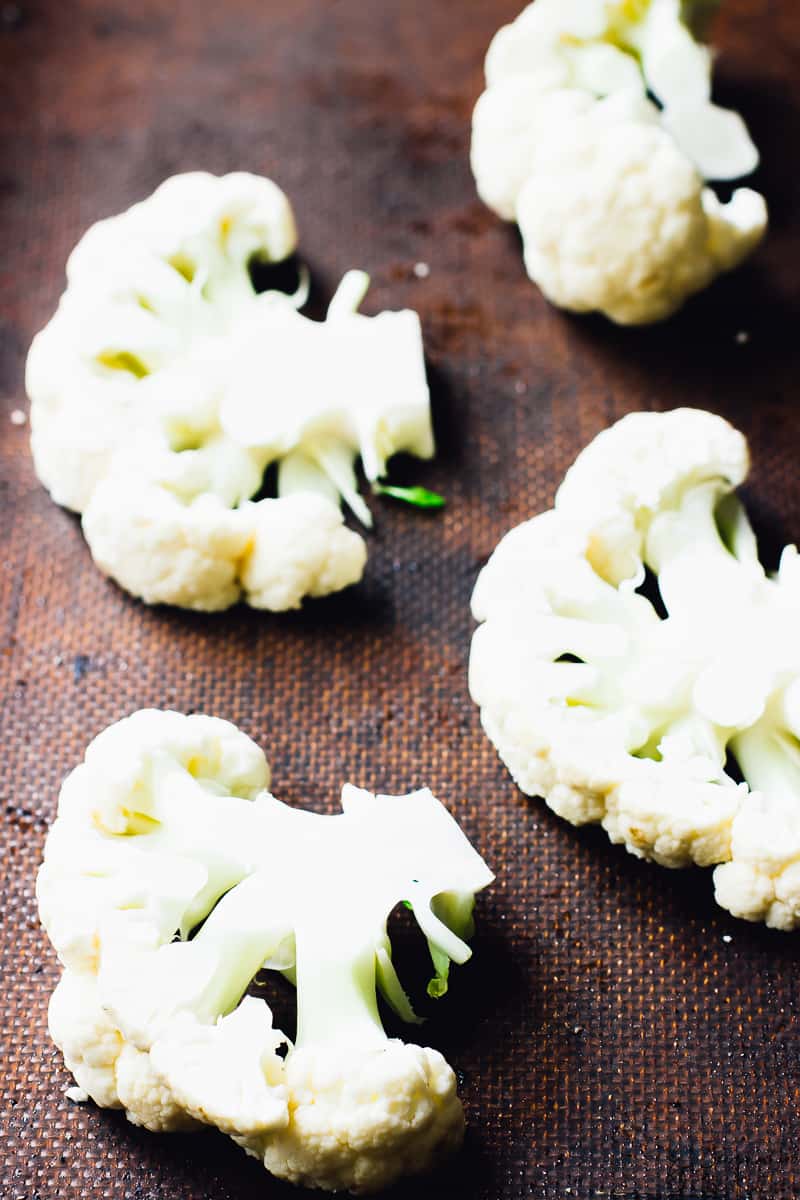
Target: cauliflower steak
607,187
626,708
172,877
165,386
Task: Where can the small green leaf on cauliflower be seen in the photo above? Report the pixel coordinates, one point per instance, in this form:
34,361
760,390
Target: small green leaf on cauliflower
606,186
617,715
171,878
164,387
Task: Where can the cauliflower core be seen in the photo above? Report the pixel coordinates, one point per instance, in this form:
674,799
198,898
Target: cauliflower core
628,710
164,386
607,189
172,877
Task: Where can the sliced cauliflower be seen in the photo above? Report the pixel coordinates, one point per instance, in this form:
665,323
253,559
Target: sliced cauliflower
606,187
164,386
617,714
171,878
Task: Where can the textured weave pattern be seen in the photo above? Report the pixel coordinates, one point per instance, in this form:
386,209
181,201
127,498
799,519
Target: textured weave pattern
617,1035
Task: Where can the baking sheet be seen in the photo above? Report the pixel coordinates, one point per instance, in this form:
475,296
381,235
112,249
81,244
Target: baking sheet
617,1035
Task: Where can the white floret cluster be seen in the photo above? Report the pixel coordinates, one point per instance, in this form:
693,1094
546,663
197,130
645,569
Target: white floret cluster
164,386
172,877
617,714
607,187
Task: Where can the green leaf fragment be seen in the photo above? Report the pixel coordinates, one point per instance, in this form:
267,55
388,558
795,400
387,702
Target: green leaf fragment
419,497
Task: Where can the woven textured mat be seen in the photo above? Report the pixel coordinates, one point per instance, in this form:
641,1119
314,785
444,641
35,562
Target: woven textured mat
617,1035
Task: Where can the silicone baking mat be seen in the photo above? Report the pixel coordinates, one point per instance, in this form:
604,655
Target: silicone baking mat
616,1034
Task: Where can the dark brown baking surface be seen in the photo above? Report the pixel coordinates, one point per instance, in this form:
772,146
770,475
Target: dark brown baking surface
618,1036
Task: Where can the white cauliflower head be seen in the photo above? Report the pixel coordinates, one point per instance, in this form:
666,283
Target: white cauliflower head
625,708
363,1118
607,188
171,878
165,385
614,218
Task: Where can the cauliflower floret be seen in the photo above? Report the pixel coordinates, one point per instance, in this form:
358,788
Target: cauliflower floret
762,881
606,187
361,1119
164,386
633,48
508,125
165,551
150,296
110,1070
96,861
640,465
228,1074
171,878
614,218
148,1101
616,715
300,549
204,555
89,1041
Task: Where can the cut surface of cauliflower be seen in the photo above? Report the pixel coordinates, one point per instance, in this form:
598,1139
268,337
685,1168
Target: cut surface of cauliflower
171,878
164,387
607,187
626,708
